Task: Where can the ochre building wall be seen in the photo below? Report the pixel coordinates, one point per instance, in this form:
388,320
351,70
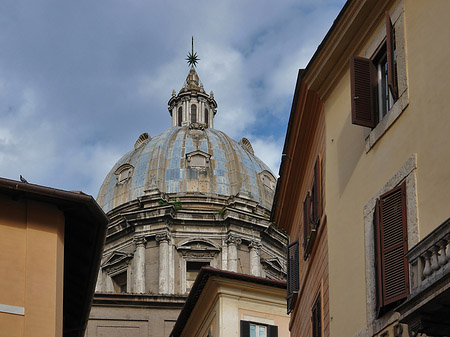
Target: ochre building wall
356,172
32,253
314,270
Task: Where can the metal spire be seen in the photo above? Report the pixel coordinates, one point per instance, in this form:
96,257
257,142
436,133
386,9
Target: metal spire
192,58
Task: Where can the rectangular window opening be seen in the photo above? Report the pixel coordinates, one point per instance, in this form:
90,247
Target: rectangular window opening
255,329
192,270
120,282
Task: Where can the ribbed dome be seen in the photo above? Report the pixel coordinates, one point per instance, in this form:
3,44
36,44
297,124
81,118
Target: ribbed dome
190,159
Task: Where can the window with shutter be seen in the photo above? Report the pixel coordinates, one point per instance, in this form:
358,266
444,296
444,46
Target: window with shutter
180,115
253,329
313,209
293,275
316,318
308,230
391,248
374,82
317,194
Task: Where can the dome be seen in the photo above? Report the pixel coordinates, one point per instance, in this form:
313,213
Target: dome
187,198
188,159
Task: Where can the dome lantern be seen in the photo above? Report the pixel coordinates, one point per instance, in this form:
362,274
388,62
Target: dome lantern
192,104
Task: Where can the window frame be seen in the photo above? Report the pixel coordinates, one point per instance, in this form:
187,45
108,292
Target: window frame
123,173
372,135
272,330
369,90
406,173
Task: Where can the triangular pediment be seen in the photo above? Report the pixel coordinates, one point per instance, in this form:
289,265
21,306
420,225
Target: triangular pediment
198,158
117,257
273,262
198,153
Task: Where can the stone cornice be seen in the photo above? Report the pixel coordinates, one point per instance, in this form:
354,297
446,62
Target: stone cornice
138,300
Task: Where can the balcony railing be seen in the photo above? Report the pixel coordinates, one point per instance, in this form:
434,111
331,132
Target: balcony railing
427,308
429,259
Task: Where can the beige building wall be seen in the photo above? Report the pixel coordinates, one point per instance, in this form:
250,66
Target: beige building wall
32,253
415,146
223,303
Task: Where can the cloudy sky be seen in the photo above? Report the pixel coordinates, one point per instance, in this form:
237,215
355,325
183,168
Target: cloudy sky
81,80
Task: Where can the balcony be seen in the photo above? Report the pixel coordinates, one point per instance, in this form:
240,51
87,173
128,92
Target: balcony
427,308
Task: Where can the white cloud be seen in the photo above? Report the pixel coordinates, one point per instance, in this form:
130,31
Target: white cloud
269,151
78,84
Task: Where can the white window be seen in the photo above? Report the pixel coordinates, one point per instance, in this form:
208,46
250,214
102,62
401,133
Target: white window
385,96
258,330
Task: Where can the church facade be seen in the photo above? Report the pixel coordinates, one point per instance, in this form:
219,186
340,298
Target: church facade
187,198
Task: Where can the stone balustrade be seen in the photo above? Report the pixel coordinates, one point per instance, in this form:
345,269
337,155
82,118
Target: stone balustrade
429,260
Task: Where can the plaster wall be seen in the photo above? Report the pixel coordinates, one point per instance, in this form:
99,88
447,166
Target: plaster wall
243,259
356,173
32,241
122,321
151,267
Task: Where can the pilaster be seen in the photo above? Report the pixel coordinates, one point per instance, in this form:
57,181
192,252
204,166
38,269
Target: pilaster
255,258
233,241
163,239
139,257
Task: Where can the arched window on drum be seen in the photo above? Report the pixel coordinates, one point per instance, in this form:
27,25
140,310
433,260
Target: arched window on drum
193,113
180,115
206,116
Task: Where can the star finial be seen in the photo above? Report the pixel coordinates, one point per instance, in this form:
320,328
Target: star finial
192,58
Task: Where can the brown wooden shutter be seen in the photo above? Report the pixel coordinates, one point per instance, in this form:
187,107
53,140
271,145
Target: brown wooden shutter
273,331
293,275
317,204
362,74
316,318
379,280
306,219
393,245
245,329
390,47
